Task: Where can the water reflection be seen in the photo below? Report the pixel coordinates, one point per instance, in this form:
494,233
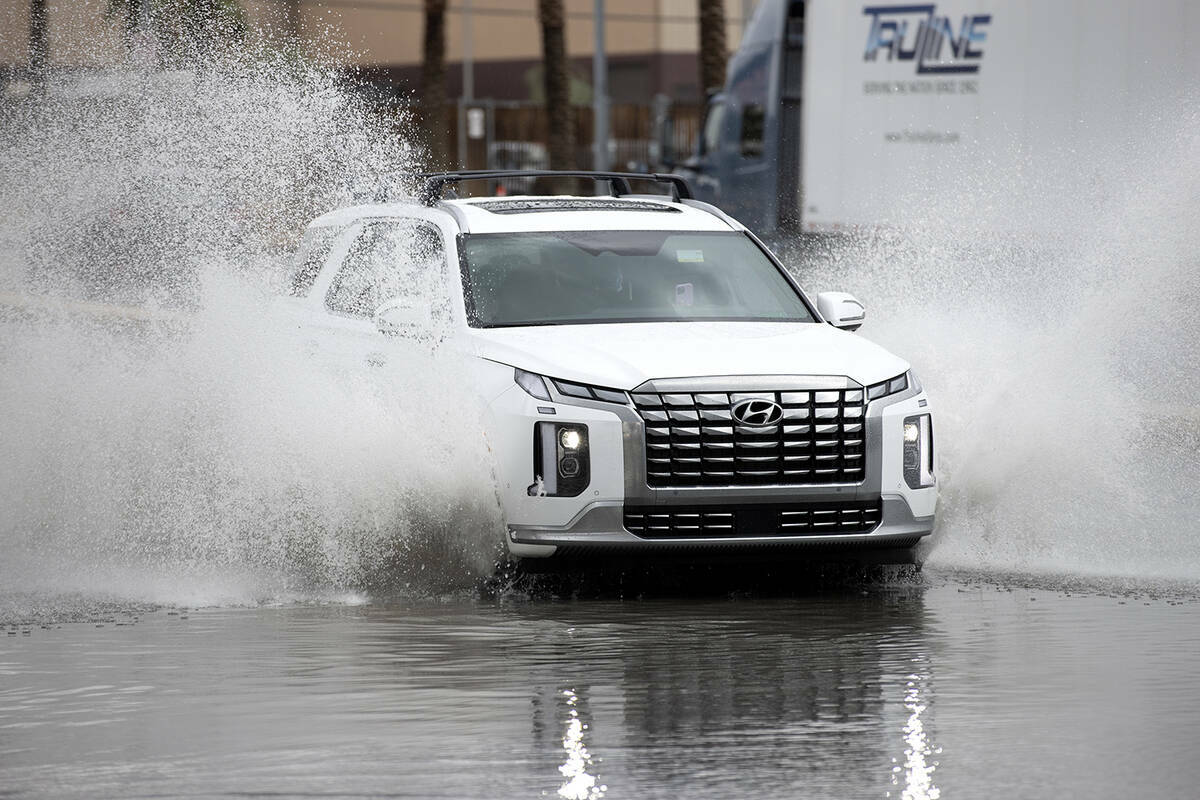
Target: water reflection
580,784
808,696
848,695
919,765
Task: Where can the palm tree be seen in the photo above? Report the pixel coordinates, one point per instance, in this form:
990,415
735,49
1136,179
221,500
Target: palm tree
557,84
712,45
186,30
433,81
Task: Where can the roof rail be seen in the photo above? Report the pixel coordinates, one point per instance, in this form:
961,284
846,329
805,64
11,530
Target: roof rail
436,182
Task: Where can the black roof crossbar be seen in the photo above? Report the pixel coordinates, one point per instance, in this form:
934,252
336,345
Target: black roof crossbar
436,182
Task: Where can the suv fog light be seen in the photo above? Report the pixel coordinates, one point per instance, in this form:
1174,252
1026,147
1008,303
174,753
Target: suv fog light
918,451
561,460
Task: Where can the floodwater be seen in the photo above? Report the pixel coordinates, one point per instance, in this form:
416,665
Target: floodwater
945,685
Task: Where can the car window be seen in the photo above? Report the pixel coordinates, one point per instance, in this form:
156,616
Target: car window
389,258
712,128
310,258
753,118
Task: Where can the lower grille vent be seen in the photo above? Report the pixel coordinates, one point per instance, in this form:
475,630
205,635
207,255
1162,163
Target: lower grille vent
791,519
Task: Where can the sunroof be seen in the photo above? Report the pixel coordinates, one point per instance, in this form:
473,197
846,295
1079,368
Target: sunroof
518,205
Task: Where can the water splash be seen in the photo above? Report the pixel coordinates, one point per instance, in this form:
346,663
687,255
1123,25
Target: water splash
164,438
180,450
1051,317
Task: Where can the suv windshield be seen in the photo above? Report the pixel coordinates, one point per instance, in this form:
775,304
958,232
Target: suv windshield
623,276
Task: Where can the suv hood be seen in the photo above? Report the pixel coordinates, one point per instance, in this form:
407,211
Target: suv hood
625,355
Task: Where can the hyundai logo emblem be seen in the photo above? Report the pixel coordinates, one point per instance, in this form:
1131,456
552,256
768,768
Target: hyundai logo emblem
757,412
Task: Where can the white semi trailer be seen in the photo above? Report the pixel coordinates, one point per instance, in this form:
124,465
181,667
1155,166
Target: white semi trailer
849,115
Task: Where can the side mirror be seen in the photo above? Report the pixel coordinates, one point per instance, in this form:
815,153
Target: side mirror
401,317
841,310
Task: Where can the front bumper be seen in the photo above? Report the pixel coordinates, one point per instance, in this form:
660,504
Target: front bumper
599,529
594,521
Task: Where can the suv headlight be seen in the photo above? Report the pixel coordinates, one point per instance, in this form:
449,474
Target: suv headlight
561,450
535,386
561,459
918,451
894,386
586,392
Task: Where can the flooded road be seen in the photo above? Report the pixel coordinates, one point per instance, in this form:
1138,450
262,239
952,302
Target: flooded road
945,685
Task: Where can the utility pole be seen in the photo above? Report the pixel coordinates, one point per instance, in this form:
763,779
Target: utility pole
599,91
38,39
468,55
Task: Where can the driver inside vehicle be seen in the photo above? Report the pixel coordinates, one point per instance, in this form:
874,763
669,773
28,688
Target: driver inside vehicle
602,276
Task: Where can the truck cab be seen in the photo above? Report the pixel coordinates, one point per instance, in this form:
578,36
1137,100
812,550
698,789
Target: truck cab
743,161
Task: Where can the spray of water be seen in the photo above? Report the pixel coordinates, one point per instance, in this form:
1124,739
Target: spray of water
164,438
1050,313
182,449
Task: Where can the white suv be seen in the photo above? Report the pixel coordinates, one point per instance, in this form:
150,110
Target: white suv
655,381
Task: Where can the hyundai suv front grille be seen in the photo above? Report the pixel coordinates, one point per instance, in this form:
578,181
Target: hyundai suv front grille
790,438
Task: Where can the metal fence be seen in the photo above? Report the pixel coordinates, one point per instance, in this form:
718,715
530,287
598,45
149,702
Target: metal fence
496,134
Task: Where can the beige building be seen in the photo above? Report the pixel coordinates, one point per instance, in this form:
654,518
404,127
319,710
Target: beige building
651,44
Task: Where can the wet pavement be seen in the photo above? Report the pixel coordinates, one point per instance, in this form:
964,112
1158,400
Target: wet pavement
948,686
